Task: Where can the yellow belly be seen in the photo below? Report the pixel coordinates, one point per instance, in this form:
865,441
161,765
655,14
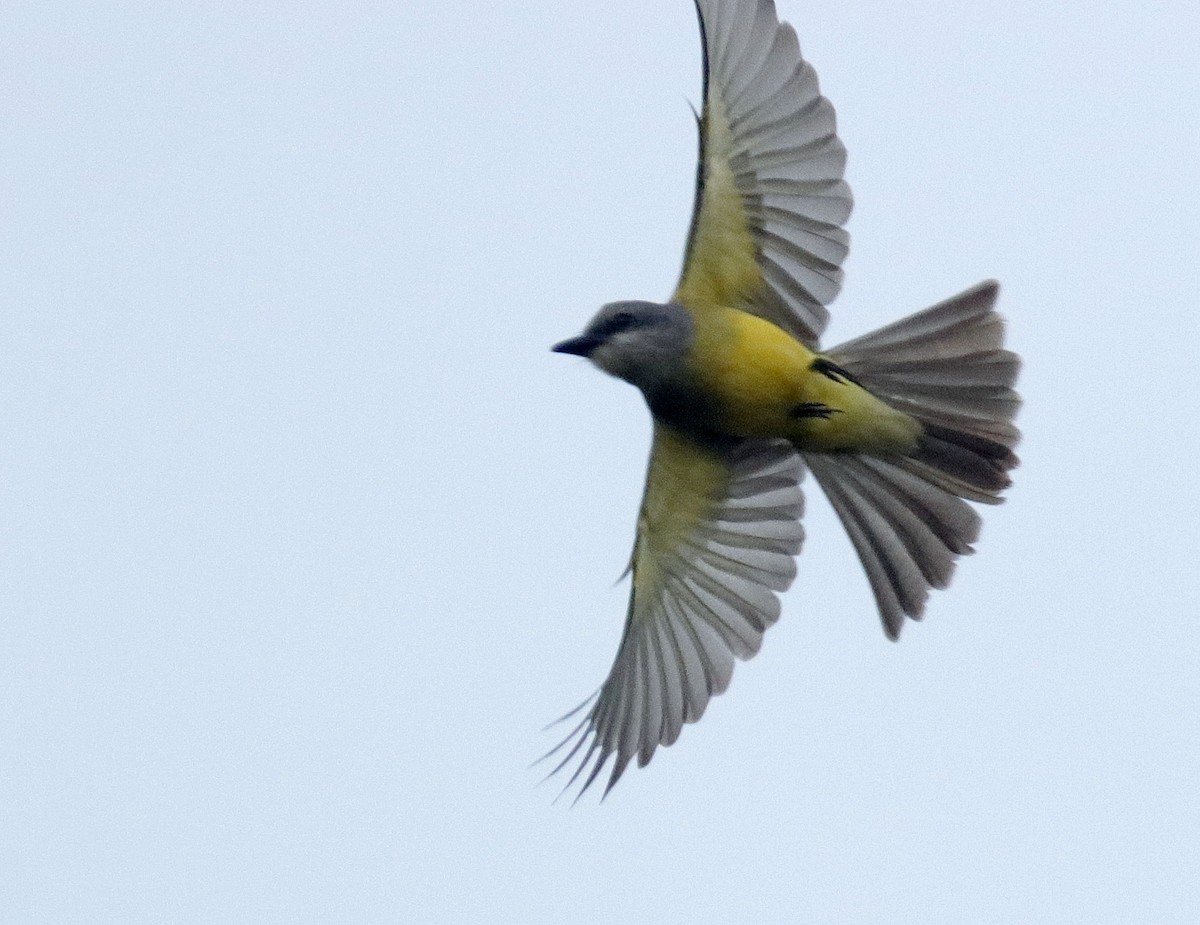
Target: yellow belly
758,376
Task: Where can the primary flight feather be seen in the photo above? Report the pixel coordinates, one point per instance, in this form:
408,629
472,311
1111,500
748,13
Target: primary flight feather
900,427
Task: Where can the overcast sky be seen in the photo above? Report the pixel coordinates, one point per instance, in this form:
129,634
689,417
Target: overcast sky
304,533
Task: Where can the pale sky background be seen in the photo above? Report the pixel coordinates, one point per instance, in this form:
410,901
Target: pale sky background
304,532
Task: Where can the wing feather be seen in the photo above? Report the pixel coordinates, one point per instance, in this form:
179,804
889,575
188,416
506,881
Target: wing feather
717,537
766,231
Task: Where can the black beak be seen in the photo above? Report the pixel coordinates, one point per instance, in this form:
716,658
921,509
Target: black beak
581,346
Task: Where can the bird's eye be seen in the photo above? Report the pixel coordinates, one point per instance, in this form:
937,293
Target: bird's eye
616,323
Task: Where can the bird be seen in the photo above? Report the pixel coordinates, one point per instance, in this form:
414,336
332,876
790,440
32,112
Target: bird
902,428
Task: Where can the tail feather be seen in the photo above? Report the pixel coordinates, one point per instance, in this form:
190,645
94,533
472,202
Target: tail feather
908,531
946,366
908,516
958,326
893,575
978,462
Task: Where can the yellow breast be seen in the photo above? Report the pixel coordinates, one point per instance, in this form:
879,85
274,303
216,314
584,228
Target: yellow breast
758,376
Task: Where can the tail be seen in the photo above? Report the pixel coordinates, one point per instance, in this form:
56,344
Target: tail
906,515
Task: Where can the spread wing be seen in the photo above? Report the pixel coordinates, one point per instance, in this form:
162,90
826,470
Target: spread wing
717,535
766,231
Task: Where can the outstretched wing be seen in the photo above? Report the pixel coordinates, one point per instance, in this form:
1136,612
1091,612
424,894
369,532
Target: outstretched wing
766,231
717,535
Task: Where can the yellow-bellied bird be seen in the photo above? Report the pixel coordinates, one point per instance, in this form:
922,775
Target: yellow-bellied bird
900,427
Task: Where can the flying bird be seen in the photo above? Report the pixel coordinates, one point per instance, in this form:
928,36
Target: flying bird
901,427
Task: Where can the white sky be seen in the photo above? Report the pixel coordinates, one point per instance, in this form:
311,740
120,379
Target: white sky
304,532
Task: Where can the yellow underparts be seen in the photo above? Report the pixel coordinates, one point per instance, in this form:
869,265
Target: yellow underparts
759,378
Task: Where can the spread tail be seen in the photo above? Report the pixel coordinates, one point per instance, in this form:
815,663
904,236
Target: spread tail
906,515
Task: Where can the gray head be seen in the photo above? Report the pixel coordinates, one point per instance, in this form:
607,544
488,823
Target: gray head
640,342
